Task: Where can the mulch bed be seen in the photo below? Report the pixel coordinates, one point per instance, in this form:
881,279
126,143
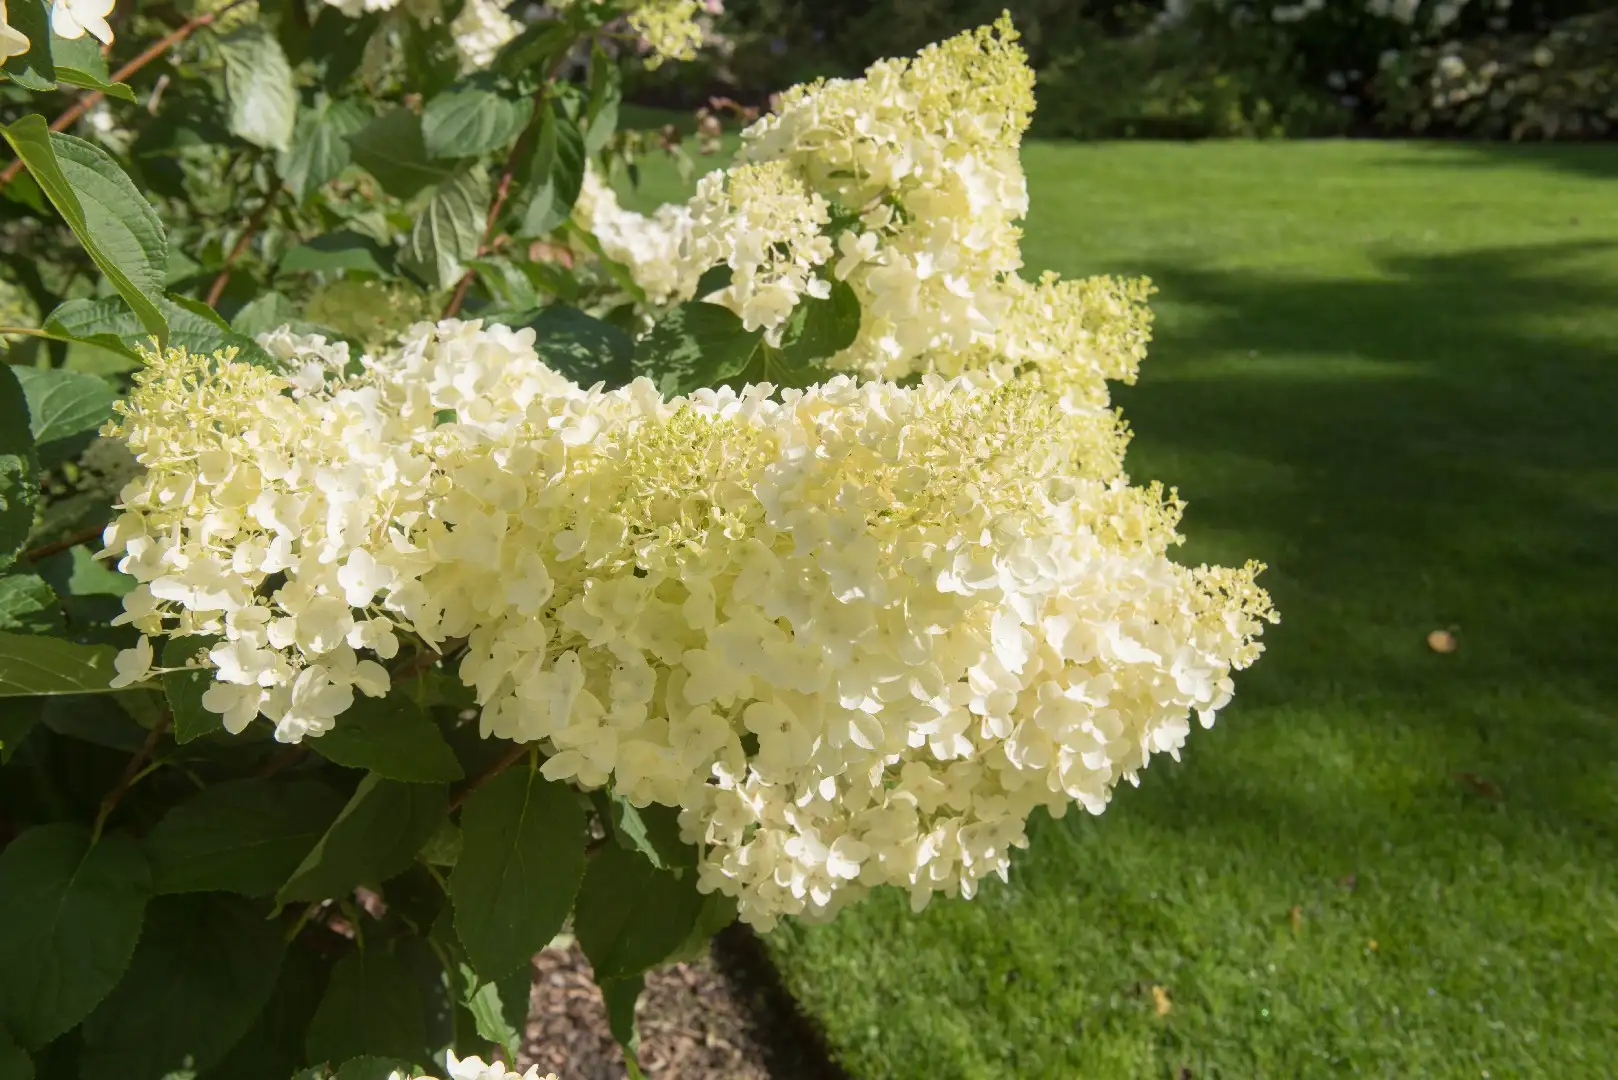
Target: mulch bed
723,1018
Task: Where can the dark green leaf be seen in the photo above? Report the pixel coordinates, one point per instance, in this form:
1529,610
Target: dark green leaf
556,174
258,84
15,1063
70,914
817,330
373,1068
242,836
392,737
630,915
340,250
272,1049
205,967
46,665
653,831
391,148
28,605
106,212
184,689
337,41
694,346
65,408
620,996
535,49
372,1006
319,149
522,857
17,718
35,69
19,468
582,347
472,119
449,231
377,835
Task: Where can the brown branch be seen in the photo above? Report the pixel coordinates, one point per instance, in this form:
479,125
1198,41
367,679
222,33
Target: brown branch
131,773
86,102
254,223
502,192
45,551
517,752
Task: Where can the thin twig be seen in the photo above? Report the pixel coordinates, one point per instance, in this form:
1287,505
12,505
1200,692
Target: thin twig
502,191
132,772
86,102
45,551
517,752
254,223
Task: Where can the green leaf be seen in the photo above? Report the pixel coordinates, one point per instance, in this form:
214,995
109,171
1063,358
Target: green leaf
65,408
241,836
694,346
35,69
45,665
272,1049
340,250
17,718
472,119
28,605
372,1006
620,997
205,967
653,831
319,150
392,737
556,174
19,468
184,689
70,914
258,85
392,149
110,324
79,63
522,858
117,226
449,231
499,1009
535,49
630,915
606,94
817,329
15,1064
373,1068
582,347
374,837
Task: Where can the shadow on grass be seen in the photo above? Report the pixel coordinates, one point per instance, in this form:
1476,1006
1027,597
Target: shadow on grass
1593,159
1459,471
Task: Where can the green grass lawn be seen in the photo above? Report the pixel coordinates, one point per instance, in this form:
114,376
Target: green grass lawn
1391,372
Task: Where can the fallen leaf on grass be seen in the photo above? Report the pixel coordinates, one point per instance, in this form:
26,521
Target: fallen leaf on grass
1442,641
1480,785
1296,915
1160,1000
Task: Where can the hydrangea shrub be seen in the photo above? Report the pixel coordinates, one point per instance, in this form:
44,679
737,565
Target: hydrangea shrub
606,574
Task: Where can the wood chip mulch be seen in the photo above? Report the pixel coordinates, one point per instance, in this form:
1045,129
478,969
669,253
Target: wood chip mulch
722,1018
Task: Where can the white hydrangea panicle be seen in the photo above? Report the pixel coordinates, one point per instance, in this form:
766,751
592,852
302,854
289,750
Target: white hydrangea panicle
856,634
650,247
669,29
475,1068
